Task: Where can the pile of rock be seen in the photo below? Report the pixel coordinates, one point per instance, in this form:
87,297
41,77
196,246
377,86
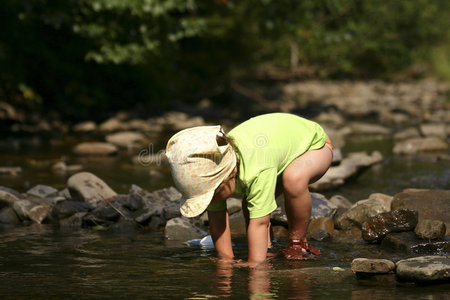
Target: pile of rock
89,202
423,269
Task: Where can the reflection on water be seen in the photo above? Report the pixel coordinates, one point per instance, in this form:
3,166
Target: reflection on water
43,262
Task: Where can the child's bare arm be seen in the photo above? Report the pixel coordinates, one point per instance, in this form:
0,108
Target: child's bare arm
220,232
257,236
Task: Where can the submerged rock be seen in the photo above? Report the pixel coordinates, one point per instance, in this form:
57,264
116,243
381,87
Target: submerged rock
376,228
430,229
87,187
372,266
424,269
431,204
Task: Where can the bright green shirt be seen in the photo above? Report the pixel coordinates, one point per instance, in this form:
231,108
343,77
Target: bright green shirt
267,144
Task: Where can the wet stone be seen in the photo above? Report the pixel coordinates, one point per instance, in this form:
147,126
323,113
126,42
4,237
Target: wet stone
430,229
408,242
320,228
424,269
376,228
373,266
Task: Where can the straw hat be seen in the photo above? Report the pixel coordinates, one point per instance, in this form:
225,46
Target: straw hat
199,165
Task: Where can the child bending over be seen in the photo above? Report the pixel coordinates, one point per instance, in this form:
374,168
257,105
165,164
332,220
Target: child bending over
258,159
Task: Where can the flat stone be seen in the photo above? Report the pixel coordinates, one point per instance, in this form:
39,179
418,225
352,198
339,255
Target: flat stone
424,269
431,204
10,170
41,191
407,242
373,266
126,139
430,229
87,187
417,145
376,228
95,149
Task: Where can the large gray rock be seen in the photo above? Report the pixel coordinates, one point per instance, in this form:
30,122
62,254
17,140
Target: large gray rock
362,210
417,145
372,266
89,188
376,228
182,229
126,139
408,242
424,269
430,229
431,204
349,167
95,149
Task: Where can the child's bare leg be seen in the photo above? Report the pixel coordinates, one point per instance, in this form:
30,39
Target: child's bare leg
304,170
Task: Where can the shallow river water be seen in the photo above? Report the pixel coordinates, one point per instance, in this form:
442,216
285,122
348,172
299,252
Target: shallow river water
40,261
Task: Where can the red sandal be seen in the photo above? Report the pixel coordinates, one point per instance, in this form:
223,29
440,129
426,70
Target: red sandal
298,249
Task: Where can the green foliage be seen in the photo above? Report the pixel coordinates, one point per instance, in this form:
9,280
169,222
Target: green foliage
101,55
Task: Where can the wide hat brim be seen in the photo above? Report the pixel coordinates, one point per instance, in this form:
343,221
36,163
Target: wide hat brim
197,205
